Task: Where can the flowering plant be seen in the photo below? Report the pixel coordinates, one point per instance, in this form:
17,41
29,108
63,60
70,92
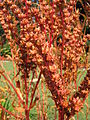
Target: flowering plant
51,40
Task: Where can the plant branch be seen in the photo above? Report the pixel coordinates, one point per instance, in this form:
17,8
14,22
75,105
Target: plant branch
11,84
26,7
52,24
32,96
43,98
31,82
82,93
9,112
62,18
26,91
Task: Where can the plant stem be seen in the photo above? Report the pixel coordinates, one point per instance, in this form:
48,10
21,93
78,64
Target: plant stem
11,84
43,98
77,117
60,115
31,83
26,92
9,112
62,18
46,33
87,108
32,96
26,8
27,114
52,24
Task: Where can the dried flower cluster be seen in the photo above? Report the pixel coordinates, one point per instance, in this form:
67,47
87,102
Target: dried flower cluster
35,45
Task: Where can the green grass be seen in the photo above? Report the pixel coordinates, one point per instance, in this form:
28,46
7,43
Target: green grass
50,109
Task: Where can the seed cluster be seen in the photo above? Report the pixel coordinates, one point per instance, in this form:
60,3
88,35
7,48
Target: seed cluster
32,31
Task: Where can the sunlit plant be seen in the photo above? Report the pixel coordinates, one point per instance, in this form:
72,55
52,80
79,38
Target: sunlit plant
47,41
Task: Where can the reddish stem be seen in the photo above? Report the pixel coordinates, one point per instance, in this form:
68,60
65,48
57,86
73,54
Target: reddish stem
26,8
87,109
60,115
50,39
9,112
37,20
46,33
10,83
31,82
77,116
62,18
27,114
32,96
52,24
26,92
43,98
38,105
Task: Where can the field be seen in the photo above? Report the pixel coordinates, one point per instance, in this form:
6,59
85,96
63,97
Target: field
83,114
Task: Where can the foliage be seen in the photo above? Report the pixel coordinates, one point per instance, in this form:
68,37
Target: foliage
4,46
5,50
1,30
37,56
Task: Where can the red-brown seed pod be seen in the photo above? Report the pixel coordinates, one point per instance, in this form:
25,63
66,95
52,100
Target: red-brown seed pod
29,3
9,17
8,36
9,2
88,36
4,10
2,22
1,4
17,11
1,13
11,26
13,6
81,43
28,44
37,32
6,31
24,8
84,39
5,27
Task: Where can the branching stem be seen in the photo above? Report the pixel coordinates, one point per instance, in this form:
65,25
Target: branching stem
9,112
62,18
11,84
32,96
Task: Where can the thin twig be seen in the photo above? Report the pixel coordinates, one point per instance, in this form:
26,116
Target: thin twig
9,112
32,96
62,18
11,84
31,82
